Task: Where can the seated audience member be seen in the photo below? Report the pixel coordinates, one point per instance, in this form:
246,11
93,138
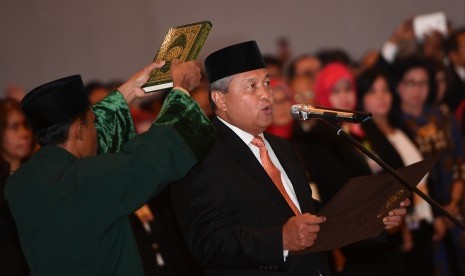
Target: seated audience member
16,146
327,56
282,121
302,87
392,141
14,91
368,61
274,66
334,88
304,65
456,70
331,160
433,46
284,51
436,133
96,91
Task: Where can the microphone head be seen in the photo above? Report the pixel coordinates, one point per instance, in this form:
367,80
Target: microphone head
296,111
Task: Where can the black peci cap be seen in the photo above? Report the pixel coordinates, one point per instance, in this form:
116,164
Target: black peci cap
55,102
234,59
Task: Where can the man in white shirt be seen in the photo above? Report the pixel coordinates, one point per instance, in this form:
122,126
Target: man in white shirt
247,208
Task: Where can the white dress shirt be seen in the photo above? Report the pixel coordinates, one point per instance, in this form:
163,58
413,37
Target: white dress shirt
247,138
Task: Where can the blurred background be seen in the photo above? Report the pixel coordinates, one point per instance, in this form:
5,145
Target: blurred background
108,40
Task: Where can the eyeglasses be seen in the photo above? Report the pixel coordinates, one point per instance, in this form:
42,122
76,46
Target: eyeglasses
413,83
304,96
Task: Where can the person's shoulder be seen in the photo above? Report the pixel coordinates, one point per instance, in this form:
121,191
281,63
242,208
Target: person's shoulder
21,179
440,110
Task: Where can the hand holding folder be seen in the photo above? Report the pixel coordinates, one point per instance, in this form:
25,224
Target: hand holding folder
356,212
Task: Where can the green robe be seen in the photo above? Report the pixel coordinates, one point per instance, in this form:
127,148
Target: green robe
72,214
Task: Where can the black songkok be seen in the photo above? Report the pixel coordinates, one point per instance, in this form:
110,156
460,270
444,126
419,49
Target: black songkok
234,59
56,102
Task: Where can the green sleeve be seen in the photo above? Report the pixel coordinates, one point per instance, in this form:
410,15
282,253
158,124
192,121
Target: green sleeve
121,182
113,122
184,114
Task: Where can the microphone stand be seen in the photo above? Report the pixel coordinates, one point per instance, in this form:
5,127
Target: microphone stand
384,165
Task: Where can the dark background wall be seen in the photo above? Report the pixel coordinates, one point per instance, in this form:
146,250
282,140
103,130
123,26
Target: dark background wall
42,40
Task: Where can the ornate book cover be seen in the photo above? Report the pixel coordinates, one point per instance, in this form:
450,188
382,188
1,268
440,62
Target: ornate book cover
182,42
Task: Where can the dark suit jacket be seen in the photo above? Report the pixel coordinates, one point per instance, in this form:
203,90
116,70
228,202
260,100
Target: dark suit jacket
455,89
232,215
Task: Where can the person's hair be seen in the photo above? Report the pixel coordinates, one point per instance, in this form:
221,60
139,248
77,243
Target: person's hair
272,60
94,85
220,85
58,133
291,68
327,56
418,62
453,41
7,105
365,81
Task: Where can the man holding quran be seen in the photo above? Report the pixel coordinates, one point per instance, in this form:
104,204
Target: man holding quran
70,206
247,208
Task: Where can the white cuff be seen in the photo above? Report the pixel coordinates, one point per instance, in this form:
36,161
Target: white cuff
182,90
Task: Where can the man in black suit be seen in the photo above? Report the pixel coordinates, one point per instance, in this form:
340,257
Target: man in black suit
247,208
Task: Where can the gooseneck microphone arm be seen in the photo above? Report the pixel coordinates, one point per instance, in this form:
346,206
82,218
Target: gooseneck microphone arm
306,112
394,173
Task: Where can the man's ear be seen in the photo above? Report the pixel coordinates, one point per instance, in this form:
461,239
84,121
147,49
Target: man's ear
219,98
77,129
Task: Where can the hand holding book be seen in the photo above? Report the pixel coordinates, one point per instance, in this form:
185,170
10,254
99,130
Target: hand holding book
183,43
185,74
131,89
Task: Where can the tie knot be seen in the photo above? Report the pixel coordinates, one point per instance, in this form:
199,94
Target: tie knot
258,141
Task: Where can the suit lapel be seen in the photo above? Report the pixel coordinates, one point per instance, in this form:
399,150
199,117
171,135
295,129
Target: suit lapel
299,183
246,159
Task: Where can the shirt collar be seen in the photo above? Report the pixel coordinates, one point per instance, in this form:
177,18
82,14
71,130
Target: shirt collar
245,136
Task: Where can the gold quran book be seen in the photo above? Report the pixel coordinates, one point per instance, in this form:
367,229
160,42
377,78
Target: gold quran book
182,42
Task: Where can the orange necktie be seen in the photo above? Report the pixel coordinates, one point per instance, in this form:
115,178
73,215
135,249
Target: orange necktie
273,172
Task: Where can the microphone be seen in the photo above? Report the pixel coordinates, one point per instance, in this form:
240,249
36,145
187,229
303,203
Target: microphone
305,112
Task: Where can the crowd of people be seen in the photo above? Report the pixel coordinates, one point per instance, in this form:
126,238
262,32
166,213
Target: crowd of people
415,91
415,95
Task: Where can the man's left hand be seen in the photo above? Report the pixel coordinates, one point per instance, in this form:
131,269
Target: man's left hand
395,216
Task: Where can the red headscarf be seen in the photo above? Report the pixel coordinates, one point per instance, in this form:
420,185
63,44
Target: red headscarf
328,77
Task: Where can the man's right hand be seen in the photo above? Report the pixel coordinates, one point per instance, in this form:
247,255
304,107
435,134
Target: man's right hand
132,88
403,32
186,74
300,232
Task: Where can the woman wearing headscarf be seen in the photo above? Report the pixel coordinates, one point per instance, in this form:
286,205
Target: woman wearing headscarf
331,161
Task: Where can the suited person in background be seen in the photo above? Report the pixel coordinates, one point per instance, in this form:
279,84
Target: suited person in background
247,207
